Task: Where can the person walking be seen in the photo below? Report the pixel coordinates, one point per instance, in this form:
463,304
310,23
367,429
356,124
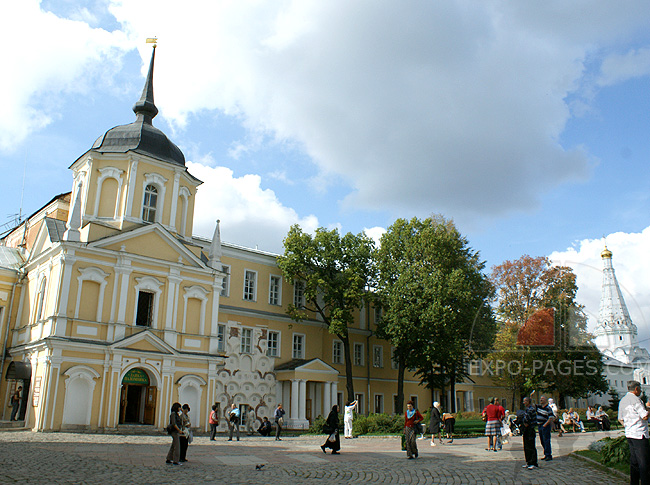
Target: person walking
16,397
412,420
545,418
333,440
214,422
185,437
234,417
278,417
434,424
449,423
527,419
348,417
492,415
633,414
174,429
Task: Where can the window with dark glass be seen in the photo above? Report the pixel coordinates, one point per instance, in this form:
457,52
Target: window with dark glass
144,313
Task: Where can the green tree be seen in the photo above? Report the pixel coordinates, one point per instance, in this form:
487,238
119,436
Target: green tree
435,299
568,363
336,273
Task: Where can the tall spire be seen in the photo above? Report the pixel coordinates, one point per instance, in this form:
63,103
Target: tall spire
214,258
144,108
616,335
613,310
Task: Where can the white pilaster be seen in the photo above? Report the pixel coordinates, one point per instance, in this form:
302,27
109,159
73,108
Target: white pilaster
295,399
302,396
327,397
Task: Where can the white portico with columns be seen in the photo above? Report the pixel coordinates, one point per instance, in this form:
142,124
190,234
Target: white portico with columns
306,389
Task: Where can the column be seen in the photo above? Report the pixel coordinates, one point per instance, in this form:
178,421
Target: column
327,397
278,394
302,403
334,395
294,400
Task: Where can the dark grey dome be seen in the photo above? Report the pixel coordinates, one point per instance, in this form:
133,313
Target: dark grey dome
141,136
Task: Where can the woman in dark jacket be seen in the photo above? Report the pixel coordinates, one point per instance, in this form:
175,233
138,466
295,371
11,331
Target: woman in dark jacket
434,424
174,428
332,427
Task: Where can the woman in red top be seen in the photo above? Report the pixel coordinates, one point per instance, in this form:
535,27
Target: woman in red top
493,415
412,417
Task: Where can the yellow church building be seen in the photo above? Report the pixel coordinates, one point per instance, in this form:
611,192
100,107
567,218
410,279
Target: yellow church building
111,310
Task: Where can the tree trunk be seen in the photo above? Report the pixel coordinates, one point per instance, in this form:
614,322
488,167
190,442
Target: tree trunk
348,367
562,400
401,369
452,388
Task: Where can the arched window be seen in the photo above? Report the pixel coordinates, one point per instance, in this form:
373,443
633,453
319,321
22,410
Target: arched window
40,300
149,204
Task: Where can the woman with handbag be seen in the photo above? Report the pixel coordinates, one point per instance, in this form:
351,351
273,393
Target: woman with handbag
332,428
185,436
174,429
412,420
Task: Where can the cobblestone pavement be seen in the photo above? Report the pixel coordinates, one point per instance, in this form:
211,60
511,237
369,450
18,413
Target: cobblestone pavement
30,457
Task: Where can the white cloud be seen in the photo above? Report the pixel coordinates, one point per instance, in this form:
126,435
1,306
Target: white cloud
375,233
43,56
631,260
617,68
250,216
438,107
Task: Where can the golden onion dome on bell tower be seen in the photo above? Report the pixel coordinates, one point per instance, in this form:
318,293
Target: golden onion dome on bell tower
606,254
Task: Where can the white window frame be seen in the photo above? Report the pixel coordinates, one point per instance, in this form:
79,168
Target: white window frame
378,358
277,341
393,364
40,299
159,182
225,285
355,346
253,291
299,294
94,275
244,347
152,285
374,405
360,397
339,360
221,337
301,354
277,294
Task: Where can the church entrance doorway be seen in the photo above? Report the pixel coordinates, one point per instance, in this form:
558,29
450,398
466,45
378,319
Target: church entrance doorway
137,398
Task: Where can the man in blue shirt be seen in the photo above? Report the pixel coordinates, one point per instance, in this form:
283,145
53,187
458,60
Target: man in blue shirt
545,418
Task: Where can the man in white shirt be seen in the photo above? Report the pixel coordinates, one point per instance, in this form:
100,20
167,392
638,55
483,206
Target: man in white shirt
633,414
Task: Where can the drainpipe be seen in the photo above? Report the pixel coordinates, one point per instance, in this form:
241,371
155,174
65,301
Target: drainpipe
19,280
368,354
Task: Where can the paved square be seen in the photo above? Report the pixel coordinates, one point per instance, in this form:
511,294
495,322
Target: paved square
92,458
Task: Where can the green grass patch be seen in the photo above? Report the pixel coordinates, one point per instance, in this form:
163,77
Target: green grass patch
598,457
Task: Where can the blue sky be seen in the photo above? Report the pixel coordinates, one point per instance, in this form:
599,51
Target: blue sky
525,122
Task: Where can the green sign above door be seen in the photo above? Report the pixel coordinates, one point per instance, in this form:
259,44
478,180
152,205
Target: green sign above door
136,376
